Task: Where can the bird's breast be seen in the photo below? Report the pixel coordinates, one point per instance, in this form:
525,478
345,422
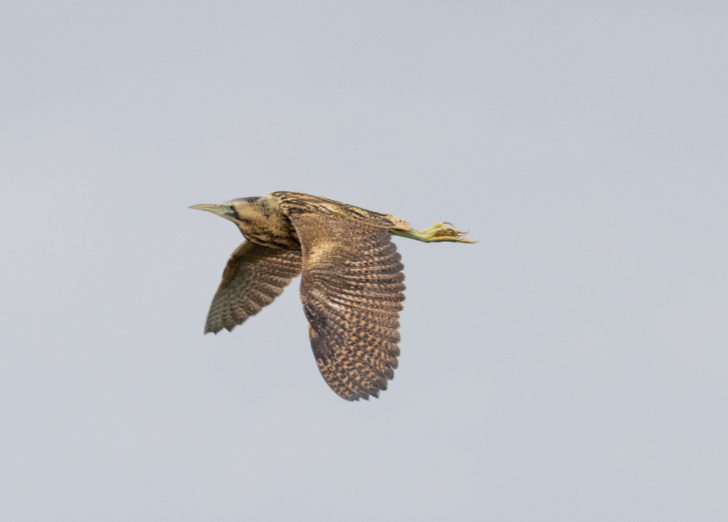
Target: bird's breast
274,232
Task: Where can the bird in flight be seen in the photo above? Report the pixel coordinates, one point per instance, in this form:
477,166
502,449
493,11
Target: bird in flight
351,286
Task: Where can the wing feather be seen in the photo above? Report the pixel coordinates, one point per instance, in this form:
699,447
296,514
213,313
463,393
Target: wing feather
254,276
352,292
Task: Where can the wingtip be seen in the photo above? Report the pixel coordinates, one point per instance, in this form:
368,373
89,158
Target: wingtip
208,330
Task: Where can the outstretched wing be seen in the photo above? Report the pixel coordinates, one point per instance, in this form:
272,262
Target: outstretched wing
352,292
254,276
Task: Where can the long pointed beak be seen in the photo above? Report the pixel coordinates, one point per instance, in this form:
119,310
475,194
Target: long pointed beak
223,210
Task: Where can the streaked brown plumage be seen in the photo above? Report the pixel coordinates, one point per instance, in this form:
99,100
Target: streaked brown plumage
352,285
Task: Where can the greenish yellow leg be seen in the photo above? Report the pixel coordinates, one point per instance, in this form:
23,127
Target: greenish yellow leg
439,232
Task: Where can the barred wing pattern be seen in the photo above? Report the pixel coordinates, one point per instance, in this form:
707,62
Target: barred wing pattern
254,276
352,292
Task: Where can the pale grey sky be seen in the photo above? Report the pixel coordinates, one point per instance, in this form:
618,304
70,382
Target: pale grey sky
571,366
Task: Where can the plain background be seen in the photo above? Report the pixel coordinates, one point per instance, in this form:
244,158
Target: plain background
572,365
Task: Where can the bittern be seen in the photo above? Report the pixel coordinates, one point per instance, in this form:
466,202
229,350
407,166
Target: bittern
352,285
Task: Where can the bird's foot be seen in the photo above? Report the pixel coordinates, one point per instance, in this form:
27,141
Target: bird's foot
438,232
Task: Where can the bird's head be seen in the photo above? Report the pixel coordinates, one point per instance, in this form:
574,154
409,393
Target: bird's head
240,211
258,219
